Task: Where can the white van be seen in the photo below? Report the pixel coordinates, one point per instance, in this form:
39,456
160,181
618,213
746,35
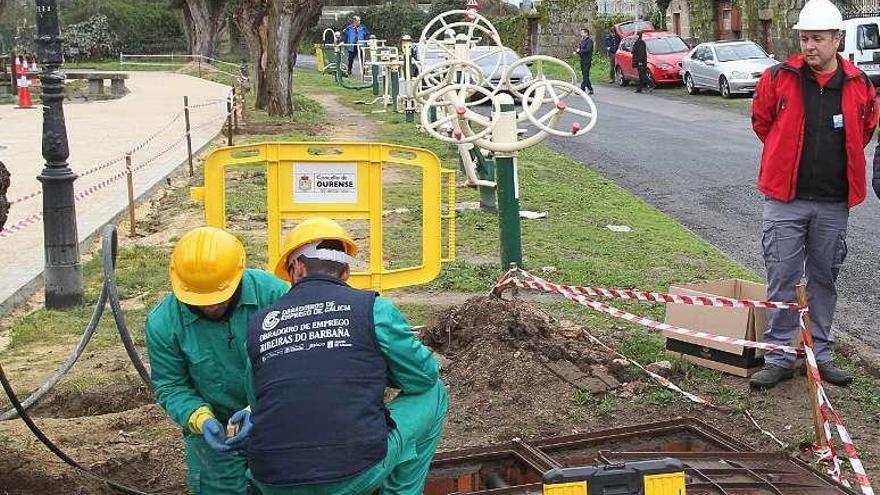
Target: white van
860,44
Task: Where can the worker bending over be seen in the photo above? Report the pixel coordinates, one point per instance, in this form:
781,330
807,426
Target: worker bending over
321,359
195,339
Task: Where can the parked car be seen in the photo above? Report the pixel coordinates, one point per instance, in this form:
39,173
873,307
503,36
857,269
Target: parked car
487,59
729,67
665,51
860,44
628,28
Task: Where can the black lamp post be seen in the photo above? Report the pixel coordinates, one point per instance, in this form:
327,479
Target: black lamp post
63,275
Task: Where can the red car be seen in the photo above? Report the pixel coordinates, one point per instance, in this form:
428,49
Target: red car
665,51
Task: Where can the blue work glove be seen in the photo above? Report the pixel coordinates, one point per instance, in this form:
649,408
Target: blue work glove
215,435
239,441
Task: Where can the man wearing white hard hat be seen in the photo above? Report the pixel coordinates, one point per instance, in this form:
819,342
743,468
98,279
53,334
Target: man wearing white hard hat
815,113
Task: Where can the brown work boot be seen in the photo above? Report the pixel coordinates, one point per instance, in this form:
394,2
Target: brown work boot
834,375
769,376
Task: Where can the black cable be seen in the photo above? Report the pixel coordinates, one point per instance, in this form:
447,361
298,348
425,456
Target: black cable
109,249
51,446
108,292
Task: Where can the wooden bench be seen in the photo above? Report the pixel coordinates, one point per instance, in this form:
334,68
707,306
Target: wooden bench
96,81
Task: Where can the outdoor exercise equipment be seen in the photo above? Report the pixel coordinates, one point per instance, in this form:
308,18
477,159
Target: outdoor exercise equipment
452,90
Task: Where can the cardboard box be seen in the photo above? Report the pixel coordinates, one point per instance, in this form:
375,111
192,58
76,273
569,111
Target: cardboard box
742,323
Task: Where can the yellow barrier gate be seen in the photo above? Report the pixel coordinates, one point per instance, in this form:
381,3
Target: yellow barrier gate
342,181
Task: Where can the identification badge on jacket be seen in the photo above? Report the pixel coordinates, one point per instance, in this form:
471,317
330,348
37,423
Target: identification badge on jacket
837,121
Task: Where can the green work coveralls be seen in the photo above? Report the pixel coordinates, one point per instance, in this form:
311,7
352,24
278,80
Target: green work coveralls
418,412
197,362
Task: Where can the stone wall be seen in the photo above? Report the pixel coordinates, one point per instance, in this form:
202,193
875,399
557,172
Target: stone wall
680,9
558,31
767,22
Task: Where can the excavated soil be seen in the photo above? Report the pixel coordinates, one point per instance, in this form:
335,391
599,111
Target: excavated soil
512,371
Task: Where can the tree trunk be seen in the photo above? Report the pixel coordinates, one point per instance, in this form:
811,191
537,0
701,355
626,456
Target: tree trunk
288,22
204,19
252,21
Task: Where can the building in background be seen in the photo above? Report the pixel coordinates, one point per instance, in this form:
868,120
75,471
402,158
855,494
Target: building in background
766,22
638,9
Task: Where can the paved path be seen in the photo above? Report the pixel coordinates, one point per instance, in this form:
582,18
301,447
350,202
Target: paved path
698,165
99,132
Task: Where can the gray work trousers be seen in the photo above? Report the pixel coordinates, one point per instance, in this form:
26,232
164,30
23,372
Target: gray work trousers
803,238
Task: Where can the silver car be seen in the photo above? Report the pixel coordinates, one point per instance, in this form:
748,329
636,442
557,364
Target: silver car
729,67
492,63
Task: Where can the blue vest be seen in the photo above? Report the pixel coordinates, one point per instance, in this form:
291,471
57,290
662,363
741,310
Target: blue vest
319,379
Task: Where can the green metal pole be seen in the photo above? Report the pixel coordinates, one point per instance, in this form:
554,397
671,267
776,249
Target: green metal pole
508,211
507,189
374,69
339,66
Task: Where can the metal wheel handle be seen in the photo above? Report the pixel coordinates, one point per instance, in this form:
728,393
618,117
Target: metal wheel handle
453,97
442,22
438,76
539,61
560,92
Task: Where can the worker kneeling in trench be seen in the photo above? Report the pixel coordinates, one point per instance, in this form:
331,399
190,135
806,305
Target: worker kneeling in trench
195,339
320,359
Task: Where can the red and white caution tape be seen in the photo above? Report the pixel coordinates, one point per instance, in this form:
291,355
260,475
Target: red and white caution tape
661,380
156,134
21,225
660,297
81,195
829,414
538,283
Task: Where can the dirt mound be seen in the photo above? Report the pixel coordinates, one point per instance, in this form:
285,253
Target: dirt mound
513,371
111,398
137,448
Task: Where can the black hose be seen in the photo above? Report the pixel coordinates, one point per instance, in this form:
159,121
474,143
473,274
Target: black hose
108,292
51,446
109,246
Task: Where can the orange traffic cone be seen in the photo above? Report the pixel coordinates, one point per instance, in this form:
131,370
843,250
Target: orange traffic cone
24,94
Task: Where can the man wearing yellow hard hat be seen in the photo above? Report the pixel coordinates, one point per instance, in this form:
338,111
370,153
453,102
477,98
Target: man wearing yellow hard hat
321,358
195,339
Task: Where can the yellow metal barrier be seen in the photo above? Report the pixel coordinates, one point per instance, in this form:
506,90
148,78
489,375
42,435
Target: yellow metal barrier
450,215
342,181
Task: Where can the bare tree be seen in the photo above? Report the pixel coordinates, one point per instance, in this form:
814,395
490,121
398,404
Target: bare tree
202,20
289,20
251,17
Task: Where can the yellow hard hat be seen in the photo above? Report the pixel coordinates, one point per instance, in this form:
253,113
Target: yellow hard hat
206,266
308,231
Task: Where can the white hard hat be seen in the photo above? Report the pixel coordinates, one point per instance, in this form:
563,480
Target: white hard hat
819,15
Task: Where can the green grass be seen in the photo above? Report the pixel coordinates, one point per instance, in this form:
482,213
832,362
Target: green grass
142,271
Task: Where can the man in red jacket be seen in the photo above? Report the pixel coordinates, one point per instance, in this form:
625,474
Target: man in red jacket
815,114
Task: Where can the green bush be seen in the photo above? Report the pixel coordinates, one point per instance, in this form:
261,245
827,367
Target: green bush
514,32
142,26
90,39
390,22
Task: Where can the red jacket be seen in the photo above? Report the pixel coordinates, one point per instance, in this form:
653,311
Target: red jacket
778,120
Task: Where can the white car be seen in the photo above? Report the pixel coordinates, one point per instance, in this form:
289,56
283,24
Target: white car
729,67
860,44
